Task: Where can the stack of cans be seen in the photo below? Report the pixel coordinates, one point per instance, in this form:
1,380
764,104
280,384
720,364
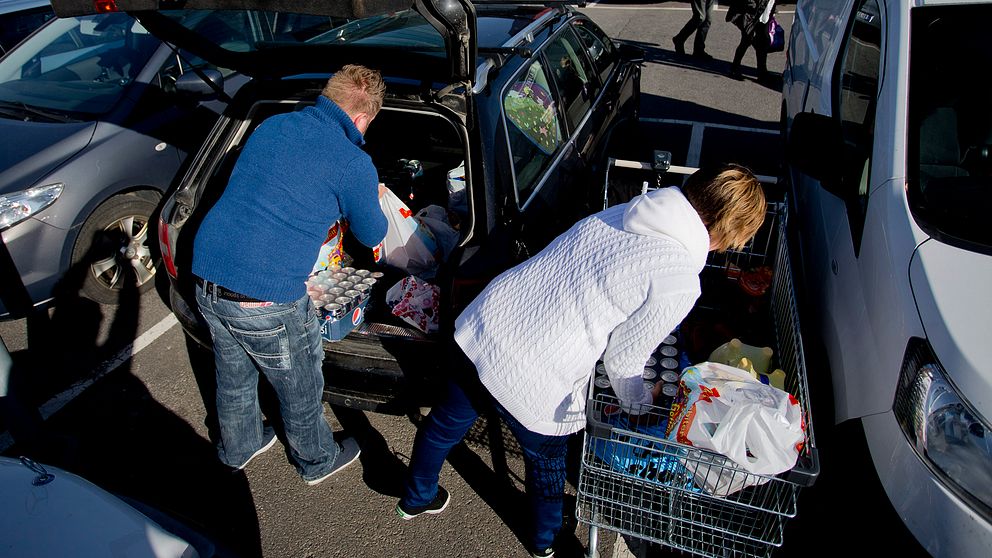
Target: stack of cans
670,359
601,380
339,291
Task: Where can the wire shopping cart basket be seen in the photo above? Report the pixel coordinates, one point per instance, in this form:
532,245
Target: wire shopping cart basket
636,482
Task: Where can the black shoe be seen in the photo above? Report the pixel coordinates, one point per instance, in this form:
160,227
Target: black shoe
735,73
679,45
436,506
702,55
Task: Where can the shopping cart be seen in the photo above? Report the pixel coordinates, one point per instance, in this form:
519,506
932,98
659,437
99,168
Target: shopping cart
656,497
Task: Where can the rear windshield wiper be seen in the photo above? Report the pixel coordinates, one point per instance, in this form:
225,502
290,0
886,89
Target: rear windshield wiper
22,109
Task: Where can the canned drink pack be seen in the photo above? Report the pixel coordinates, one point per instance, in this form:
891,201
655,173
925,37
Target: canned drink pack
369,281
669,376
376,275
670,340
345,284
668,351
668,393
651,363
601,369
363,272
602,382
347,270
649,374
352,293
336,291
648,384
669,363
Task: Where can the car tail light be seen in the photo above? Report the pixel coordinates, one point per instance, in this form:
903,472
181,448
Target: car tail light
105,6
166,245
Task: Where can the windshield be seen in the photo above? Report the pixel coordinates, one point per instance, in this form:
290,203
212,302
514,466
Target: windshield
78,65
950,124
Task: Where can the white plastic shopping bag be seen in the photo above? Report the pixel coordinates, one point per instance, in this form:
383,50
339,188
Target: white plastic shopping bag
408,245
726,410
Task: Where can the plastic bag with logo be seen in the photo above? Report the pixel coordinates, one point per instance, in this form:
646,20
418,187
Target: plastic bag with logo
408,245
331,251
724,409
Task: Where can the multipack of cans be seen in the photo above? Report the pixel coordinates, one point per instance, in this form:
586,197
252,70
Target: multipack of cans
341,295
665,366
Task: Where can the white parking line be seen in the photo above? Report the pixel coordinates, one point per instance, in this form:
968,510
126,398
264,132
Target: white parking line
56,403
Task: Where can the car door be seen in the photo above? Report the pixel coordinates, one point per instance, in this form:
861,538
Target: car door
836,262
558,194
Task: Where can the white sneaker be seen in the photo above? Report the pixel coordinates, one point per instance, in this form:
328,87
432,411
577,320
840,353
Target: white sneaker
349,454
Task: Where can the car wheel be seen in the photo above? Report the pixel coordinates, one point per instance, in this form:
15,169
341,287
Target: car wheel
114,247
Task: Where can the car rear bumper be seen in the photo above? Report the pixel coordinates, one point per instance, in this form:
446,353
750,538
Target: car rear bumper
942,523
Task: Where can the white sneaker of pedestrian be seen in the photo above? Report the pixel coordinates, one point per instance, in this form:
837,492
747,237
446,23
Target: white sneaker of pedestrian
349,454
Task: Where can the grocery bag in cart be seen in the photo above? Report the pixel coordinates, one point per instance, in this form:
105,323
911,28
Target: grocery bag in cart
726,410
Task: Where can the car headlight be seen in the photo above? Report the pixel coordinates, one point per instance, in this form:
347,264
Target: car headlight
944,429
18,206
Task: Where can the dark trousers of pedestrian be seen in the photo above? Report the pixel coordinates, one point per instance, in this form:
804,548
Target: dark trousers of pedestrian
759,41
699,23
447,424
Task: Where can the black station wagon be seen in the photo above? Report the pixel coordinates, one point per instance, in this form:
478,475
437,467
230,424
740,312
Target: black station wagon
520,99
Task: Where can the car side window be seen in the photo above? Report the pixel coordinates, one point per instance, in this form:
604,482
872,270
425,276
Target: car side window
532,126
573,74
857,100
600,48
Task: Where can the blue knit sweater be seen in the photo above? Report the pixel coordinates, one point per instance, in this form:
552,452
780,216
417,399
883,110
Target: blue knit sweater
297,175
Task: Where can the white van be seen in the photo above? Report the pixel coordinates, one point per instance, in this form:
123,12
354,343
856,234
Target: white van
887,117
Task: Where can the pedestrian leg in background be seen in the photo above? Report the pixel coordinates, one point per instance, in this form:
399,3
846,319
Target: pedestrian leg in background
699,24
735,66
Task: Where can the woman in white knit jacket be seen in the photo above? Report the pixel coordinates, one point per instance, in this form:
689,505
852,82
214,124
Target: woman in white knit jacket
614,285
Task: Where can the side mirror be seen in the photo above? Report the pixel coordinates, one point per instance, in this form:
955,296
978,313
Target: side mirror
815,147
631,52
192,85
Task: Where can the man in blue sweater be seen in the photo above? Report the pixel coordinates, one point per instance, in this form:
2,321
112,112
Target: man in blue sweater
298,173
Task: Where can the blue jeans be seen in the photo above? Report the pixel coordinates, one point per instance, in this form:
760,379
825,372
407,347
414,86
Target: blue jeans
447,424
283,342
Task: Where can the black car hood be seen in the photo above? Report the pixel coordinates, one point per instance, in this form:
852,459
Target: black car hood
454,21
39,148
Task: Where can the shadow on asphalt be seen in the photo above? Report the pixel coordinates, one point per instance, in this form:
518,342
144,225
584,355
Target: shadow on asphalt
128,443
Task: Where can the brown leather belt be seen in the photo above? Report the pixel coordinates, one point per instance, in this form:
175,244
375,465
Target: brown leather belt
226,294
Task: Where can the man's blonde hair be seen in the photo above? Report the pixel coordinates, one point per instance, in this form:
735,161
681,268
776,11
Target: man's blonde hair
730,201
356,89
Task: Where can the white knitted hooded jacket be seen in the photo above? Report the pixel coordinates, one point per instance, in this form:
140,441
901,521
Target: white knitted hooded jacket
615,285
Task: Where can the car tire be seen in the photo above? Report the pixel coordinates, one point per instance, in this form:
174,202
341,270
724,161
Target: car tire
114,246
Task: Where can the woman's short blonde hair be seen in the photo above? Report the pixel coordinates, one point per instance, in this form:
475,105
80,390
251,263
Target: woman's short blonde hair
356,89
730,201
